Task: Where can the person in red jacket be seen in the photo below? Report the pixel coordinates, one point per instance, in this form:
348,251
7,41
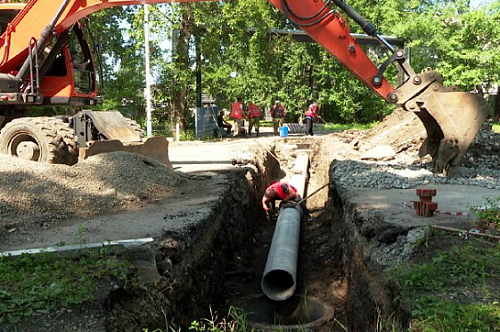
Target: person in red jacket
278,191
237,114
311,114
254,114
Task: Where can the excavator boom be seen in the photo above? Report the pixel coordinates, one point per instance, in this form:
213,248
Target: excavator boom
452,118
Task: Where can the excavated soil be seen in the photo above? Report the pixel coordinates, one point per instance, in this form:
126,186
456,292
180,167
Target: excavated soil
103,183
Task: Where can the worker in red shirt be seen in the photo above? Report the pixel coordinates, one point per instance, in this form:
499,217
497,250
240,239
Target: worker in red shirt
254,114
311,114
278,191
237,114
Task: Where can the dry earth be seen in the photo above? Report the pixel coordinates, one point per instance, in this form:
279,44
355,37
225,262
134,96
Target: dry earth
36,196
43,195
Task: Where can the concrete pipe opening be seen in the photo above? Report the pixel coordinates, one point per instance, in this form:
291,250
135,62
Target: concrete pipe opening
298,313
279,284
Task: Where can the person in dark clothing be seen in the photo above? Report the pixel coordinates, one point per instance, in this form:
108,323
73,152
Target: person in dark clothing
223,123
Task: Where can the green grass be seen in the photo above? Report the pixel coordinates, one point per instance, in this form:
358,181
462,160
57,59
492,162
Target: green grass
455,291
47,281
352,126
236,321
490,211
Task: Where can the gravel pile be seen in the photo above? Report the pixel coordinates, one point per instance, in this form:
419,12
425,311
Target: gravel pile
480,167
104,182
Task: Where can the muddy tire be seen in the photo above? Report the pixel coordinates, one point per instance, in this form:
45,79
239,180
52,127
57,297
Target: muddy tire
32,139
67,134
136,127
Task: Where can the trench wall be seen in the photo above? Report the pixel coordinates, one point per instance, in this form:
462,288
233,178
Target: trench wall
191,263
372,299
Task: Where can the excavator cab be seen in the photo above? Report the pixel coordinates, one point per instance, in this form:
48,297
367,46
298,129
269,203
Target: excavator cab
57,69
67,71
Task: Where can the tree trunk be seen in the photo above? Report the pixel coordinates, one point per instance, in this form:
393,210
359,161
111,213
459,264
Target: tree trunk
198,68
181,61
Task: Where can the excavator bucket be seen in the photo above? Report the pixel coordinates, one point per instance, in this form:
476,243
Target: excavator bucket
154,147
452,120
101,132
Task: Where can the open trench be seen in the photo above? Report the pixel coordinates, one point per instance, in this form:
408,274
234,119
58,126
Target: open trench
218,263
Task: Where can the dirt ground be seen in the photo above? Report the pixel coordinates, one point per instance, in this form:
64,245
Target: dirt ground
40,196
35,198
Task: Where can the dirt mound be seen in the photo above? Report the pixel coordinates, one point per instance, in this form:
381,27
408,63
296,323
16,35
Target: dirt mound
42,193
402,130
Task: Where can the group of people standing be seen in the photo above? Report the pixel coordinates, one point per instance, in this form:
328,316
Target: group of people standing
239,113
252,113
278,113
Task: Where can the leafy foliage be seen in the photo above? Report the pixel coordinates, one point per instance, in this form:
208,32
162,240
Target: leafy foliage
233,48
490,212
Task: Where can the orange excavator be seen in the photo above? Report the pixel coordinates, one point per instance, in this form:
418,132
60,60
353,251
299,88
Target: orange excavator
36,68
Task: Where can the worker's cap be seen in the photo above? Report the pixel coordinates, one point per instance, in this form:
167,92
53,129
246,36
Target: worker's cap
277,102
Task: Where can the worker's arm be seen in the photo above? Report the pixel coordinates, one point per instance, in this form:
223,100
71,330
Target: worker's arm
265,200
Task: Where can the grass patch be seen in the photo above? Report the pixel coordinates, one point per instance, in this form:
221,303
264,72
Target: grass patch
46,281
236,321
351,126
490,211
455,290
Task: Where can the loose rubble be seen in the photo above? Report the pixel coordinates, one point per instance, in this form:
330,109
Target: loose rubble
395,176
480,166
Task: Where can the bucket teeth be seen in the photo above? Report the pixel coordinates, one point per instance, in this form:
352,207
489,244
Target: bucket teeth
452,121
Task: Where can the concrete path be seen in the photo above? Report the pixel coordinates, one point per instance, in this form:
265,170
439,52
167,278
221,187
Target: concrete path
395,205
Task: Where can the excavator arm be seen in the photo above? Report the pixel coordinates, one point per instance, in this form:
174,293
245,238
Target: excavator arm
452,118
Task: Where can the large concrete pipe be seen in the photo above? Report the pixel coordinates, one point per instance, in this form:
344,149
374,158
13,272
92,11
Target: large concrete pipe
279,279
300,171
